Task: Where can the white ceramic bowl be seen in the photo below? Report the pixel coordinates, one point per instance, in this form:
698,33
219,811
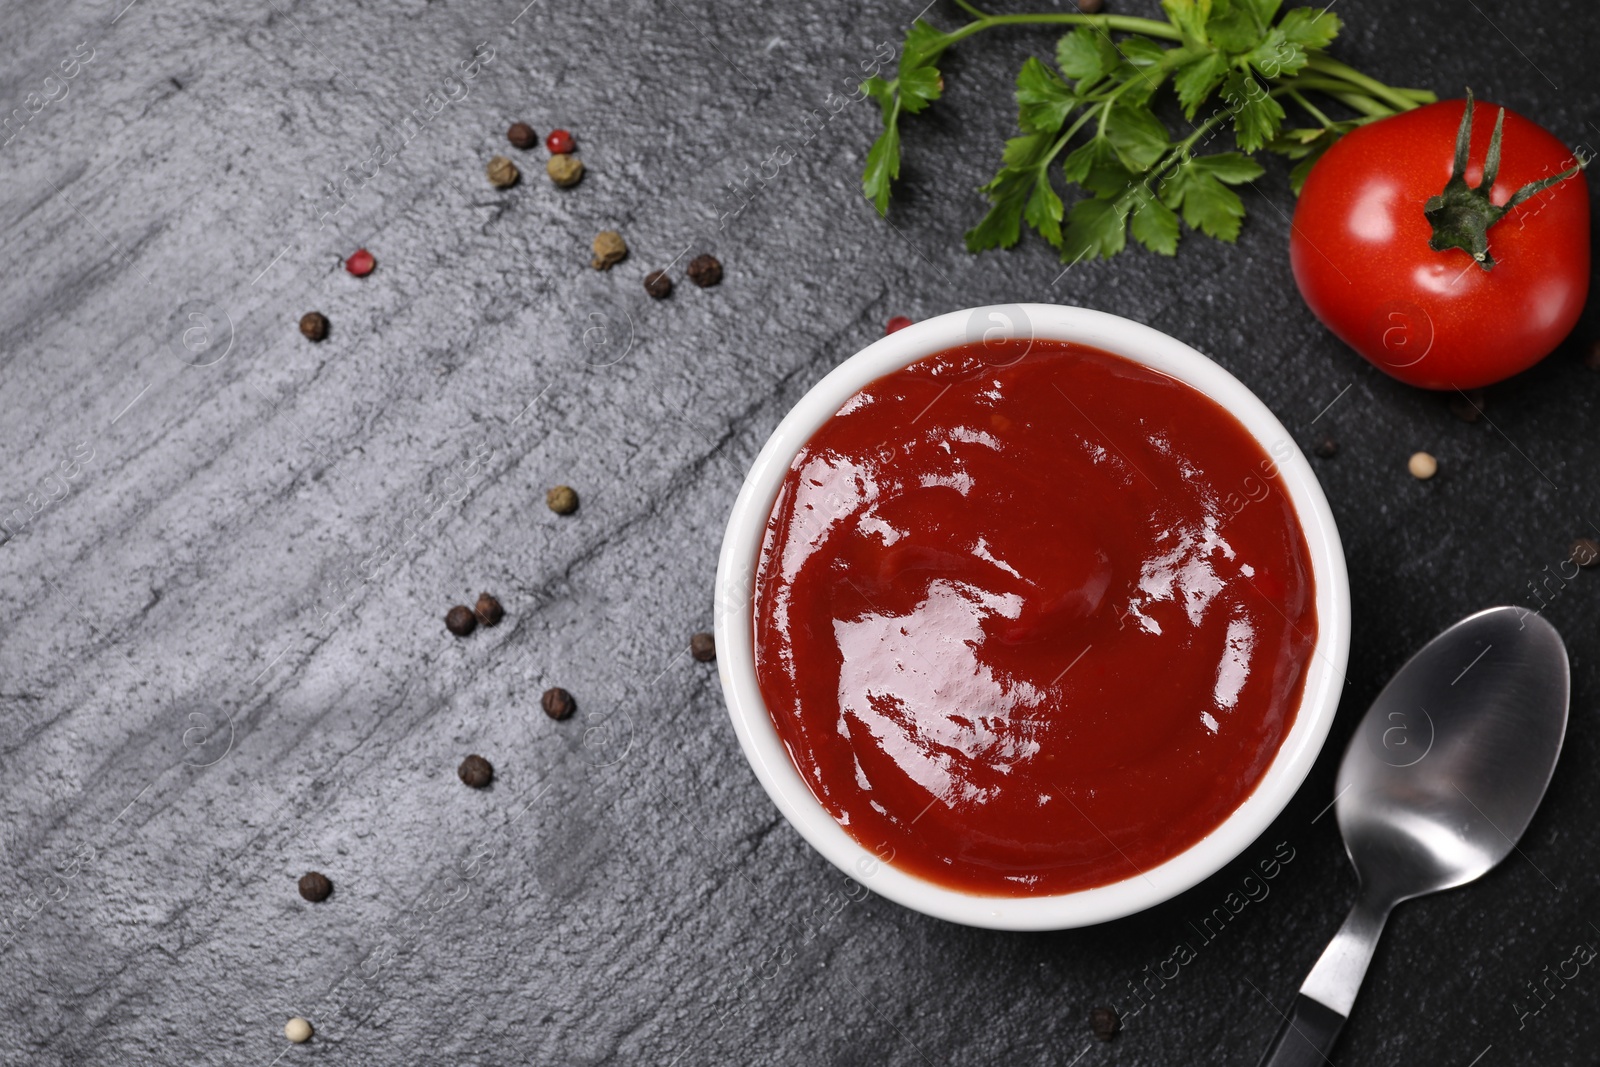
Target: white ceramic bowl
741,547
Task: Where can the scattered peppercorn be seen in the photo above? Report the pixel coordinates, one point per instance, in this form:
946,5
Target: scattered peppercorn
559,143
703,647
1104,1022
1422,466
1090,7
896,324
489,612
360,263
521,135
503,173
315,887
475,771
609,250
1591,358
1468,407
1327,448
658,285
1586,552
563,500
564,170
297,1030
460,621
314,325
558,703
705,271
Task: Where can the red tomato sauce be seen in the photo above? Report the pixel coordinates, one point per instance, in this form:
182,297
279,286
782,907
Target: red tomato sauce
1032,620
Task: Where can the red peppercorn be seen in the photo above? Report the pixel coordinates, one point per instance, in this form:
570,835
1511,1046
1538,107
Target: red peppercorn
559,142
360,263
899,322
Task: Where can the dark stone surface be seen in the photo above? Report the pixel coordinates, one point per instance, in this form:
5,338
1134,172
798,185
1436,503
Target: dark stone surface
223,661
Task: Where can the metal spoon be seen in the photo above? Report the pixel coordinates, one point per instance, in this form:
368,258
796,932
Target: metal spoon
1441,778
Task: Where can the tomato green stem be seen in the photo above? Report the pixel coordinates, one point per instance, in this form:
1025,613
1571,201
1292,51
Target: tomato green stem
1462,214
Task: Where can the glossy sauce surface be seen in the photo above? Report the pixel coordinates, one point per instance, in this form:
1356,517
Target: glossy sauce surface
1032,619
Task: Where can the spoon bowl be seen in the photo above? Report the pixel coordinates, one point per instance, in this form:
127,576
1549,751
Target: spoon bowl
1443,775
1448,766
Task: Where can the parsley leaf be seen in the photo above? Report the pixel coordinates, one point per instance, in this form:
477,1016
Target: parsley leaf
1197,78
883,166
1199,187
1012,190
1155,225
1044,210
1044,101
1277,56
1095,228
1137,136
1189,16
1094,166
917,84
919,87
1311,28
1098,106
1256,115
922,49
1235,26
1086,55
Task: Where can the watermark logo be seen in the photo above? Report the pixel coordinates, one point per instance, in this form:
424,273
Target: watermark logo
200,334
207,738
1404,331
1407,738
607,737
998,330
605,334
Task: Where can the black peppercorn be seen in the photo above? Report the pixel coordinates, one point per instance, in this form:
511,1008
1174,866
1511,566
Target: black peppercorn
521,135
558,703
1104,1022
314,325
1585,552
489,611
475,771
658,285
460,621
315,887
703,647
705,271
1327,448
1591,358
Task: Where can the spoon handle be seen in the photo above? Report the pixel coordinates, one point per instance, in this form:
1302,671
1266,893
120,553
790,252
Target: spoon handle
1306,1037
1329,991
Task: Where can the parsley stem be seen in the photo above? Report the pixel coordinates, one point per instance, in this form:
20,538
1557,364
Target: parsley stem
1327,123
1104,23
1322,64
1061,142
1343,92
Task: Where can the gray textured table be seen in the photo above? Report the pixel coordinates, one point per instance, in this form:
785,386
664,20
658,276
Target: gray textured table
223,664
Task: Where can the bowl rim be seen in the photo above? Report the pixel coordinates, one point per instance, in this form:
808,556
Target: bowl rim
735,607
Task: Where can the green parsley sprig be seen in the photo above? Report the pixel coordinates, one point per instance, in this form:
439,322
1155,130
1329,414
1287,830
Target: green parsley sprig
1092,111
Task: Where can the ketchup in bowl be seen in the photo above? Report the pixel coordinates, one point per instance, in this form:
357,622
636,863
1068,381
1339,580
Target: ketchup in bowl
1032,618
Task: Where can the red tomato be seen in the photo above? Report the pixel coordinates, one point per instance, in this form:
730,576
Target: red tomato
1438,319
